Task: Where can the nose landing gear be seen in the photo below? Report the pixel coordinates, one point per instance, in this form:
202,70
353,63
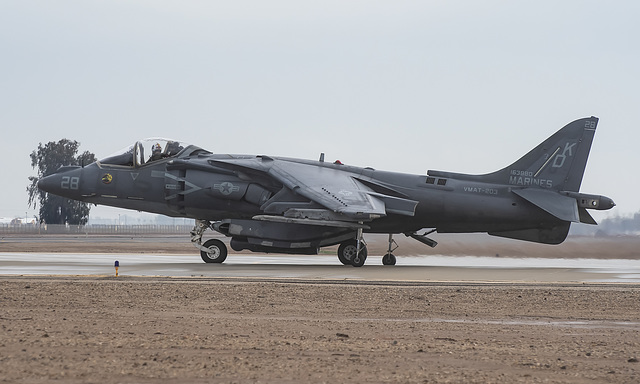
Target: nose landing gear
213,250
216,251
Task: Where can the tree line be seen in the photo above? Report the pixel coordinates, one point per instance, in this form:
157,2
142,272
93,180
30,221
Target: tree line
47,159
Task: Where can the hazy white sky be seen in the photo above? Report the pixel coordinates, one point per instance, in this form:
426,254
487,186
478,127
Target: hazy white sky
464,86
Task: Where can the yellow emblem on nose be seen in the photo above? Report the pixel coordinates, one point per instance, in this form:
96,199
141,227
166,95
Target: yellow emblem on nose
107,178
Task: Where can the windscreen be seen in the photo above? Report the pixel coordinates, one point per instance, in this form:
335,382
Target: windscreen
148,151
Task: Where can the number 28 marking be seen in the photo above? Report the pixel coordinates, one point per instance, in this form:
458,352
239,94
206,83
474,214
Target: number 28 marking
69,182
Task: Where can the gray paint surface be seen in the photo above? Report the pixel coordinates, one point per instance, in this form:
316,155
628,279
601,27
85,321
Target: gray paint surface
285,205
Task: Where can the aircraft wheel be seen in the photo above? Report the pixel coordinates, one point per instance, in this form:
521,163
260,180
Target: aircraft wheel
358,261
217,252
347,251
389,259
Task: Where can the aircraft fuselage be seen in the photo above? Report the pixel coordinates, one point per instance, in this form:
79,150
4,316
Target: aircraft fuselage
272,204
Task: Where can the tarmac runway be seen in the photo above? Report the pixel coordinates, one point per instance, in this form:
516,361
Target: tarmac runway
561,317
433,268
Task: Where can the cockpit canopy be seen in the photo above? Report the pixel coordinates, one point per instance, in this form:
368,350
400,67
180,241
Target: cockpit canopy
151,150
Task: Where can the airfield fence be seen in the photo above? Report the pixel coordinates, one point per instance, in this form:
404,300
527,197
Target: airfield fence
94,229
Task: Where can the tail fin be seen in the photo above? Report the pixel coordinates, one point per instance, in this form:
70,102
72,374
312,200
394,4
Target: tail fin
558,163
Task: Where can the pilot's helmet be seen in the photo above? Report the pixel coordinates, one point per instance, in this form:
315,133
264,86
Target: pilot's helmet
157,148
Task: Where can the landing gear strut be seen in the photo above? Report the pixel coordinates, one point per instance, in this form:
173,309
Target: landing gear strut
389,258
347,251
361,253
353,251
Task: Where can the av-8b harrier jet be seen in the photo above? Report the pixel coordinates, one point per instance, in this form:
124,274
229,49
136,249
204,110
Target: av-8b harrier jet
284,205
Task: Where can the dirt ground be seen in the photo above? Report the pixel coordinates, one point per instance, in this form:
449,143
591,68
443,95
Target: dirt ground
146,330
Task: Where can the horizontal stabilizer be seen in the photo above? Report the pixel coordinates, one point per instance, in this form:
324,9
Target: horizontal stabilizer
563,207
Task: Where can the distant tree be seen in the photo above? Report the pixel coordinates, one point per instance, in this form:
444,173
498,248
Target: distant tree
47,159
622,224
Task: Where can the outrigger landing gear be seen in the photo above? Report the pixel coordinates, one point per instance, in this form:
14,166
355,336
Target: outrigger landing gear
213,250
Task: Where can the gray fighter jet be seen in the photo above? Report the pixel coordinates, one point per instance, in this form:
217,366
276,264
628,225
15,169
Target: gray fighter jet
284,205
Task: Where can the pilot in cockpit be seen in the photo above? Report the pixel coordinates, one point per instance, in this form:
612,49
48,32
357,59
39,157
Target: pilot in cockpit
173,147
156,153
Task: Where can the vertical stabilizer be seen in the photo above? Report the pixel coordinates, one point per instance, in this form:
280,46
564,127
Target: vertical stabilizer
558,163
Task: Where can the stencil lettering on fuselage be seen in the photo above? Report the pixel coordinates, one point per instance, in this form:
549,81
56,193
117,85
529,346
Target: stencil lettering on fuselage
558,162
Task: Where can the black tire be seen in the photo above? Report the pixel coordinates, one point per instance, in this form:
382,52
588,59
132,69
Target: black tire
359,260
347,250
217,251
389,259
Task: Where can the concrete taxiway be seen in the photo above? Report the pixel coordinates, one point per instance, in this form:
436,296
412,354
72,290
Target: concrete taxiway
321,267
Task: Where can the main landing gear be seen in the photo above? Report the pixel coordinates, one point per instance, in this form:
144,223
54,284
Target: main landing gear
351,252
348,250
354,251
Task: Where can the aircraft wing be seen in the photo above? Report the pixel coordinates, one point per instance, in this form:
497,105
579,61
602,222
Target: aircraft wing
337,190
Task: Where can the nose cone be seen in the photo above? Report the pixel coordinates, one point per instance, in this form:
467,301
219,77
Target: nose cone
65,182
50,183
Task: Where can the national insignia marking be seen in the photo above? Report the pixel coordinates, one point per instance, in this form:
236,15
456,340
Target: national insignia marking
226,188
